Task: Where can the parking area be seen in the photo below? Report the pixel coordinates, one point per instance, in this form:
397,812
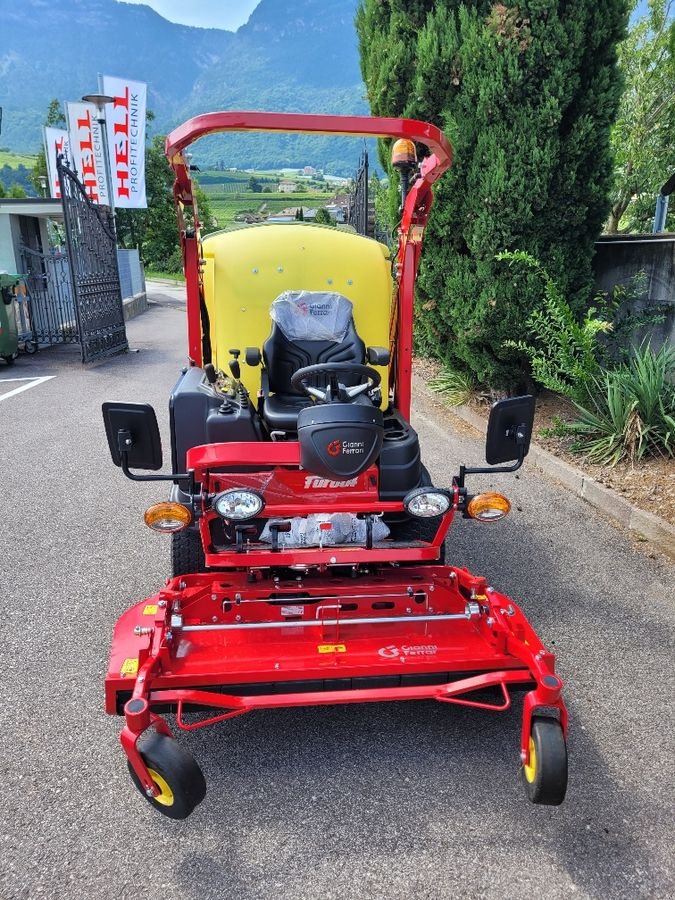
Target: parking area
388,801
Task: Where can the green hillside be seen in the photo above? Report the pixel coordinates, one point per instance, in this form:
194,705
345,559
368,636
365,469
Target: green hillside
14,160
226,207
292,55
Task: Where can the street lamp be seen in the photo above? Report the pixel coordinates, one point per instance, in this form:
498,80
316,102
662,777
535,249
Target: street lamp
100,101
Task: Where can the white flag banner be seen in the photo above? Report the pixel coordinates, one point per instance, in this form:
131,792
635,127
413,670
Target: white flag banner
86,144
57,143
125,120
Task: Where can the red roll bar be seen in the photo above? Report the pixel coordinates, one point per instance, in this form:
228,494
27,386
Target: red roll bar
414,216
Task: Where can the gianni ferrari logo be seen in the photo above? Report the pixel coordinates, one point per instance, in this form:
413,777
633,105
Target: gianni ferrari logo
345,448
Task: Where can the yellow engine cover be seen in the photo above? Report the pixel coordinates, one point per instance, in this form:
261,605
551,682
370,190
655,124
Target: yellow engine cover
245,270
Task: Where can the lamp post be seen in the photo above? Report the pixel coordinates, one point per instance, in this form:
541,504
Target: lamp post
100,101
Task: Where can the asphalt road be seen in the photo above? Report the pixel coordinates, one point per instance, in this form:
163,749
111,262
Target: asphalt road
390,801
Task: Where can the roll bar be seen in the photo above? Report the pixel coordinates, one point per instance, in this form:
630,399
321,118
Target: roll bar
414,215
300,123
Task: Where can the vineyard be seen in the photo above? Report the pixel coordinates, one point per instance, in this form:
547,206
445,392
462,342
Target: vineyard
225,206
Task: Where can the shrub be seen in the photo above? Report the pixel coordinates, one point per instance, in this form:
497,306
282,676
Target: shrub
630,411
562,352
527,93
456,387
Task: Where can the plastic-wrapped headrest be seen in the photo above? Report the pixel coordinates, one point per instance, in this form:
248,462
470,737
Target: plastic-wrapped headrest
312,315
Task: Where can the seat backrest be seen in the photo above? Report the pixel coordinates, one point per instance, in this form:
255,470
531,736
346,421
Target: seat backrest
310,328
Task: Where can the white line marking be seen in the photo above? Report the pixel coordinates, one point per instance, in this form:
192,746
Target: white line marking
32,382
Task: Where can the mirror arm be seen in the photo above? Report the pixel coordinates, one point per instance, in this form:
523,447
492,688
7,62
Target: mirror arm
124,442
521,437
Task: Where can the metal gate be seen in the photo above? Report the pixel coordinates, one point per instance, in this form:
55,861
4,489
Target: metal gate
51,316
92,251
360,208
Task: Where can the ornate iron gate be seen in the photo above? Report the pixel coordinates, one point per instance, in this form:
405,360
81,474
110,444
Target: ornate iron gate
92,250
51,316
359,208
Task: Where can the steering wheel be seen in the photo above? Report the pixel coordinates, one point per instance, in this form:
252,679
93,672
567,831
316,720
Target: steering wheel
370,378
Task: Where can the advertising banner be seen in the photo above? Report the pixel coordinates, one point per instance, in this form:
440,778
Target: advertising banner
56,143
86,144
125,120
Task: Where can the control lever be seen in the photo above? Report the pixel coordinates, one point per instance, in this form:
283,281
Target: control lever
235,368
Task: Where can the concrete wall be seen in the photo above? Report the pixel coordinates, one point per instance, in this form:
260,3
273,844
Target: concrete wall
620,258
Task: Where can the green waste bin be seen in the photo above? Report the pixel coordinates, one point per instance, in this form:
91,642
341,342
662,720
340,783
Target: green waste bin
9,337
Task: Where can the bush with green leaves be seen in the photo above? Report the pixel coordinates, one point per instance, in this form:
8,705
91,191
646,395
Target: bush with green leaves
629,412
527,93
563,352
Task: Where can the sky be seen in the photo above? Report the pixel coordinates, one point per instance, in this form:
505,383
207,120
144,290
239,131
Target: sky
228,14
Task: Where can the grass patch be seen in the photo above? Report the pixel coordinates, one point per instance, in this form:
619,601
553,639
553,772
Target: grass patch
226,207
179,278
14,160
456,387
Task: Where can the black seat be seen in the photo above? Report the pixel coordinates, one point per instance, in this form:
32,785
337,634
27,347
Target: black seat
283,357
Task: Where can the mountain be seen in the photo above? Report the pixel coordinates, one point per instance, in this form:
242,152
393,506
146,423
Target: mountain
292,55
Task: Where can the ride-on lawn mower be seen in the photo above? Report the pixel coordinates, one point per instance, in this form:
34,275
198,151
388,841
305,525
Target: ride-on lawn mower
308,539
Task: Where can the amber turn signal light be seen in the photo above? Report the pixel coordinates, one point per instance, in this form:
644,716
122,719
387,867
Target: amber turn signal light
167,517
488,507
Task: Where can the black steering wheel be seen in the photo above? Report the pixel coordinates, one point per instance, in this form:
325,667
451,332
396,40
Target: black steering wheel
369,378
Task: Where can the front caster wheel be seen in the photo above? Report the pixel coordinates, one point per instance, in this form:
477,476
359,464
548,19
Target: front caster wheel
545,775
176,774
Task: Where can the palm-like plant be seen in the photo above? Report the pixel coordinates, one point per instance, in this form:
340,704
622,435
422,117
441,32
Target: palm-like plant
630,411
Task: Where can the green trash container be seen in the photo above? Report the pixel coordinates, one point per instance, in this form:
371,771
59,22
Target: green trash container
9,337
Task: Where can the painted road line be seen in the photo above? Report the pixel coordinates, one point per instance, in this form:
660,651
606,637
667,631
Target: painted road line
32,382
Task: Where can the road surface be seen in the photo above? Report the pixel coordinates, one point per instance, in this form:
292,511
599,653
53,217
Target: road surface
389,801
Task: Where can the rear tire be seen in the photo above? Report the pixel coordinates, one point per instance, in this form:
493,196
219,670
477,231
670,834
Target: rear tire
9,360
187,553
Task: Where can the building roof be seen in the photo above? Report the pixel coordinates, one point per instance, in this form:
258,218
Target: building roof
31,206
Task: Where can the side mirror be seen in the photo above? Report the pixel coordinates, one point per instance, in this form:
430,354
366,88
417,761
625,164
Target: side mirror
132,431
509,430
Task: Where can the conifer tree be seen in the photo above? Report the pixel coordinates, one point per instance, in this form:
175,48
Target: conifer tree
527,93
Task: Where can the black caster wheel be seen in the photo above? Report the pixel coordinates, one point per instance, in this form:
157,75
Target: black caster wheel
187,553
545,775
179,779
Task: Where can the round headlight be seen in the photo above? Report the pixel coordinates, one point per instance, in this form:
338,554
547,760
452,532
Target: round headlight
425,503
167,517
238,504
488,507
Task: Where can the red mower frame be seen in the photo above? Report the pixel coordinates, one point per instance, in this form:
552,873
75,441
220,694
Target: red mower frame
268,627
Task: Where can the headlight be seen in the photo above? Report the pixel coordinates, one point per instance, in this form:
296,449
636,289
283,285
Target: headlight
488,507
425,503
167,517
238,504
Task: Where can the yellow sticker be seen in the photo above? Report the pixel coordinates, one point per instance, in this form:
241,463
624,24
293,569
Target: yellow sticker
332,648
150,609
129,666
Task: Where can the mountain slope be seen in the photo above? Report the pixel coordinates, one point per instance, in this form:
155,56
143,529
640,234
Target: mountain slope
295,55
